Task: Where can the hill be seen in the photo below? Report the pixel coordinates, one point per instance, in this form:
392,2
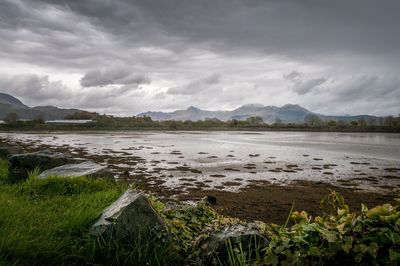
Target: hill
289,113
10,104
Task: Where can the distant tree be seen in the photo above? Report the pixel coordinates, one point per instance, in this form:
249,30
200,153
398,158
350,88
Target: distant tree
388,121
313,120
332,123
82,116
173,124
39,118
362,122
341,124
11,118
397,121
354,123
106,121
278,121
147,119
233,123
255,121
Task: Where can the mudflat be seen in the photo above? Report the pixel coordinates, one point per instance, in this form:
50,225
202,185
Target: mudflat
255,176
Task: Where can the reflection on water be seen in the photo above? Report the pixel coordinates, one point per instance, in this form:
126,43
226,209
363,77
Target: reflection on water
232,160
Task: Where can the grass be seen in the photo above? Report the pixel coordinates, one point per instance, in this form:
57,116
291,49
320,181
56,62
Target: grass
47,221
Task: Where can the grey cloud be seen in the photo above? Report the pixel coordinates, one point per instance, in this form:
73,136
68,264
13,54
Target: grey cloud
178,41
302,85
368,88
120,75
293,76
33,87
301,29
290,27
37,90
307,86
365,94
197,86
159,96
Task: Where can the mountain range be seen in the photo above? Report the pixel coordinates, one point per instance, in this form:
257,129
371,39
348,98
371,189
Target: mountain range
289,113
10,104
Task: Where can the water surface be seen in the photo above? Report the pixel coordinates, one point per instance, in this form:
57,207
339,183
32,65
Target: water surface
232,160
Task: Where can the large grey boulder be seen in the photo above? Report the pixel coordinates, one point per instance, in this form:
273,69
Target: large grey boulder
216,248
7,151
21,164
88,168
130,219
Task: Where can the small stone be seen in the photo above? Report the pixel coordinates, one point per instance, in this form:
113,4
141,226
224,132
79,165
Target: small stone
125,174
210,199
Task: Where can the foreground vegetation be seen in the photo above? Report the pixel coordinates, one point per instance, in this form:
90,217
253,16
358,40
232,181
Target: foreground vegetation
107,122
47,221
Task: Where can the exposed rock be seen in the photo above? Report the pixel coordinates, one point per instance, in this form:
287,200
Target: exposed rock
125,174
7,151
217,247
88,168
21,164
210,199
129,219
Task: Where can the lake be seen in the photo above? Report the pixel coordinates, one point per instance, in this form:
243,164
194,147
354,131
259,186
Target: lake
233,160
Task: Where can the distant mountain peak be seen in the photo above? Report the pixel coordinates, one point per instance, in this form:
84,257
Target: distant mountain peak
249,108
192,108
291,105
255,105
10,104
288,113
294,107
291,113
10,100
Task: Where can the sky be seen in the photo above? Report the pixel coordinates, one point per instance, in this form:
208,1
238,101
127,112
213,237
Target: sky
124,57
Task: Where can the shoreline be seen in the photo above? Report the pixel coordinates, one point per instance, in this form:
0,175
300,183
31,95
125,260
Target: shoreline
279,129
258,201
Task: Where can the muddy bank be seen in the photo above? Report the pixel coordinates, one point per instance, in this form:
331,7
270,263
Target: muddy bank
272,203
152,167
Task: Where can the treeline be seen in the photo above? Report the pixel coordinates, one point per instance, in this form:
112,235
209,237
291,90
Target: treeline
311,123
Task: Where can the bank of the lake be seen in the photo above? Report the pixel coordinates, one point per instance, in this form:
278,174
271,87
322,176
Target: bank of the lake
248,172
47,221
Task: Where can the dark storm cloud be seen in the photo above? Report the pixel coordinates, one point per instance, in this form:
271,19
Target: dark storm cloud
363,94
302,85
34,86
369,88
291,28
178,43
286,27
197,86
119,75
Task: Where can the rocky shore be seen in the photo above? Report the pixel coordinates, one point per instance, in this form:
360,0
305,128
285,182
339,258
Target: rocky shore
260,200
201,233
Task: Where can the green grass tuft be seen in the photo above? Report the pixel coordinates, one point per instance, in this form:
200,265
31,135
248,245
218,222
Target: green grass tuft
3,172
46,221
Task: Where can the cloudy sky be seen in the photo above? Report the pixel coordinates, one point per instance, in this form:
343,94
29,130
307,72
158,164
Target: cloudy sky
128,56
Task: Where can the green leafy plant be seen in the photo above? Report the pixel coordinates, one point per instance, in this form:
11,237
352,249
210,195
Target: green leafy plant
369,237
